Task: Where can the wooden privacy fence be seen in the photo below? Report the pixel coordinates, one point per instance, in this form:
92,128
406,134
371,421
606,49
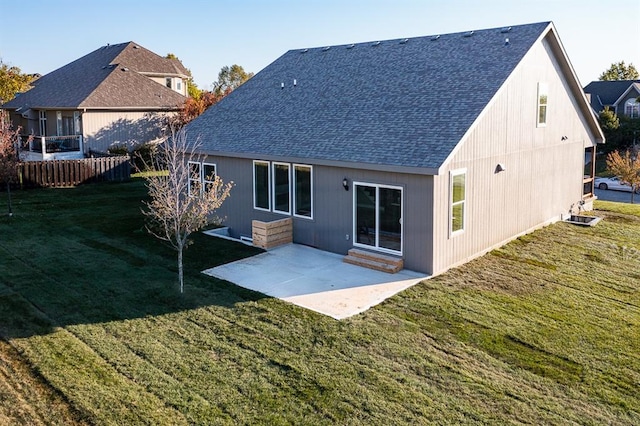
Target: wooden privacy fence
59,173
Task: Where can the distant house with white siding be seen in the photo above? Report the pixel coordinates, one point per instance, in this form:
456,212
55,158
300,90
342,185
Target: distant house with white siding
113,96
433,150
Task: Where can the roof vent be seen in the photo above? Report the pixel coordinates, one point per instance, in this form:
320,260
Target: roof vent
404,41
377,43
324,49
125,69
304,51
505,30
135,47
435,37
469,33
351,46
506,41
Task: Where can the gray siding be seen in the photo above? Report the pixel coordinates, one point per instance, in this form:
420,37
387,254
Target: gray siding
544,173
331,228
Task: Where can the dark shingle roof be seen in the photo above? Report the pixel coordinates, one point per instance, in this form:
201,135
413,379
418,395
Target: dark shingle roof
109,77
398,103
605,93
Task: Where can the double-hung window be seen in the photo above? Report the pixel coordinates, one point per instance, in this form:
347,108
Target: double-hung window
208,175
458,203
283,188
195,176
543,95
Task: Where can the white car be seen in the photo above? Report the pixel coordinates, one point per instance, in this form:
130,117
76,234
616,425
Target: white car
613,183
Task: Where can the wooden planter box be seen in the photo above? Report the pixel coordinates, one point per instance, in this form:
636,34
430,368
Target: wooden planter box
267,235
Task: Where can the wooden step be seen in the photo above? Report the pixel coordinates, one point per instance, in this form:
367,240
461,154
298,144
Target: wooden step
379,262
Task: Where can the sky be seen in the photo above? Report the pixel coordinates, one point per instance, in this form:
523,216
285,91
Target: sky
40,36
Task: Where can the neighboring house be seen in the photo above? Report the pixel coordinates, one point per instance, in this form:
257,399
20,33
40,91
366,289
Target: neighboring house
431,149
620,96
116,95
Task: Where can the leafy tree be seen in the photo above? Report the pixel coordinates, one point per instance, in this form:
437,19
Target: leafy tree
608,119
180,204
193,107
12,81
620,71
626,167
8,154
229,79
192,88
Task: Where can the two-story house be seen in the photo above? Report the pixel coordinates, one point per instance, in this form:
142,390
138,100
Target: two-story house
620,96
116,95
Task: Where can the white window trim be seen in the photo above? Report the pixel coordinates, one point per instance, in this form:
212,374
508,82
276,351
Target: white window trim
377,211
268,209
543,89
191,179
307,166
205,179
632,108
273,187
452,174
42,119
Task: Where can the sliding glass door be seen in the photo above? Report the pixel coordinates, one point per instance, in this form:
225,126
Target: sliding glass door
378,217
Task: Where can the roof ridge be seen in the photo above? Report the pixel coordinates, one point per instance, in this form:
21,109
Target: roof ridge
431,36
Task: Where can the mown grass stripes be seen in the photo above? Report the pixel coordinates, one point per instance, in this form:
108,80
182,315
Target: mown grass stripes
542,330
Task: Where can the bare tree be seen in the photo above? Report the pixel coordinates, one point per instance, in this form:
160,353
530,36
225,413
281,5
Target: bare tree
9,158
626,167
182,200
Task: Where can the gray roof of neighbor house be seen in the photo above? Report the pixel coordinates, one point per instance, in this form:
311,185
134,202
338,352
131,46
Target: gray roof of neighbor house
604,93
113,76
402,103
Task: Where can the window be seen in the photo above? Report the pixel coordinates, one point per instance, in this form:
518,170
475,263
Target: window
302,199
281,188
179,85
201,176
458,201
261,184
589,171
277,189
76,122
378,217
67,126
208,175
542,104
43,122
167,82
632,108
195,183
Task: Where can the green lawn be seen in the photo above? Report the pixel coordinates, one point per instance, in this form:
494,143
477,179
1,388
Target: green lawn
545,330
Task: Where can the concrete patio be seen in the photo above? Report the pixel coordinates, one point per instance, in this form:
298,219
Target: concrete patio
315,280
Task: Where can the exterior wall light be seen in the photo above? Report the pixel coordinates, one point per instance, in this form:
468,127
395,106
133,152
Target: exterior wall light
345,184
500,168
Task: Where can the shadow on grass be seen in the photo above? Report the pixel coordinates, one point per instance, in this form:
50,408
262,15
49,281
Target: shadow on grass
82,255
